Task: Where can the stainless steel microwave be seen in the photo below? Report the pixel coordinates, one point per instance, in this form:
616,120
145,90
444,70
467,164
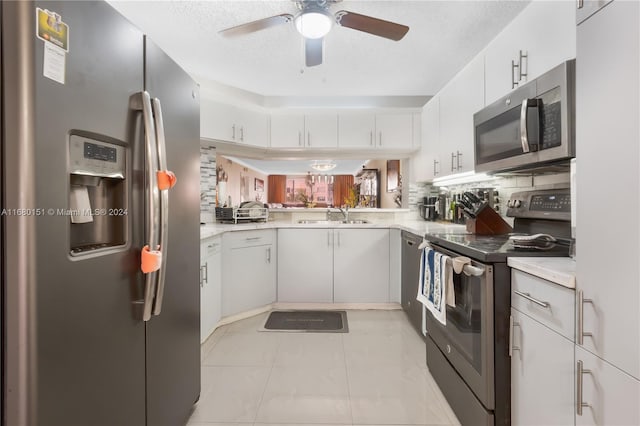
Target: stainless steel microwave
532,126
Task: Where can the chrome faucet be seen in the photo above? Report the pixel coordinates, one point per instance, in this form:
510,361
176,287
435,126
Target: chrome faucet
345,213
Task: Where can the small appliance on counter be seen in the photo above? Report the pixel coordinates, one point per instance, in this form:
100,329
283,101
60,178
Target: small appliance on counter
429,208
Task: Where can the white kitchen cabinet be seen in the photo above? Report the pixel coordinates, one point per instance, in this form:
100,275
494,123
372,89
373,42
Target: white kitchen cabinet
249,273
287,131
356,130
586,8
459,100
394,131
342,265
229,123
297,130
607,134
305,265
361,265
611,395
210,285
368,130
542,374
545,30
425,164
321,130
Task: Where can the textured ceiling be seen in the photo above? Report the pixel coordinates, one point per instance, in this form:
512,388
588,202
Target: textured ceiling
443,37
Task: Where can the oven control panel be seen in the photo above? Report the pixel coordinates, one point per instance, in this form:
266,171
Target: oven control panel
552,204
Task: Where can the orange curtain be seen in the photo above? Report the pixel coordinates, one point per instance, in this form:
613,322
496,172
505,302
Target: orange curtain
277,188
341,186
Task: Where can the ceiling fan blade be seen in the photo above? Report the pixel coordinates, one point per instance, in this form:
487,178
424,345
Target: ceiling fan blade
371,25
313,51
258,25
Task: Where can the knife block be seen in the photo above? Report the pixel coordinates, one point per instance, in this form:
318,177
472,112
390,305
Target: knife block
488,222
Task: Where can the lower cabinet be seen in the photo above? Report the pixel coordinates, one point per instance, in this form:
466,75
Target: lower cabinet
542,341
608,395
542,374
342,265
361,266
249,272
210,285
305,265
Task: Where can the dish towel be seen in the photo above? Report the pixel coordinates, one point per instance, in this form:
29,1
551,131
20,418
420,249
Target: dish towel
435,274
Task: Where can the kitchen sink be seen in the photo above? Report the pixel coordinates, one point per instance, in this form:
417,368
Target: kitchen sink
333,222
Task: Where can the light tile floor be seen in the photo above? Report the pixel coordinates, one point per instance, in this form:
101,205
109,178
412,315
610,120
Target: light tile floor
374,375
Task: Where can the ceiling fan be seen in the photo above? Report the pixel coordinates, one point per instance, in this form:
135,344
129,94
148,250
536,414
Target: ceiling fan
314,21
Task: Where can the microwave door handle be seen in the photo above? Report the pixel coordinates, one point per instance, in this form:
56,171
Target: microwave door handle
524,137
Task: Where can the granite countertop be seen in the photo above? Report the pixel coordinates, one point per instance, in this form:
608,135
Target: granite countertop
559,270
418,227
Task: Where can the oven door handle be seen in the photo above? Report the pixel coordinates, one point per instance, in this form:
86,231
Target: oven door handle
473,271
469,270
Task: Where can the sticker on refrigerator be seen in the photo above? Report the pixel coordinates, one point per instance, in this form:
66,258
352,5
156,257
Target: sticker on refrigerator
50,28
55,35
54,63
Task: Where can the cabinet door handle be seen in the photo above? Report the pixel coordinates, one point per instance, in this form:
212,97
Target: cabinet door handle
579,373
371,138
435,169
309,138
268,254
521,71
580,332
380,139
514,83
580,4
252,238
531,299
241,133
512,325
453,156
459,154
233,132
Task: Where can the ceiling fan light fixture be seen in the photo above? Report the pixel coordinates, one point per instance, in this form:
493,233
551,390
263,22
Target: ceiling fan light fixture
314,23
323,166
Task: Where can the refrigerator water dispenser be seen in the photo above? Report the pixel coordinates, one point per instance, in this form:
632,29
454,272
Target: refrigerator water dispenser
97,200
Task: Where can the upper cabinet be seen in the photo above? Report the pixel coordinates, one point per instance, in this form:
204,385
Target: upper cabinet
298,130
287,131
357,130
230,123
425,165
369,130
545,32
459,100
394,131
586,8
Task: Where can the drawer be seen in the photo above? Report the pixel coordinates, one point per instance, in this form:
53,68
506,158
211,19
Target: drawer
258,237
210,247
558,315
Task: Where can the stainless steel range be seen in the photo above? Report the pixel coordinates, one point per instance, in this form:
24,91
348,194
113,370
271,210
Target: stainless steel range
469,356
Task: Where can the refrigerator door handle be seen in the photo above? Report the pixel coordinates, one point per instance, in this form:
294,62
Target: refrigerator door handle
142,101
164,205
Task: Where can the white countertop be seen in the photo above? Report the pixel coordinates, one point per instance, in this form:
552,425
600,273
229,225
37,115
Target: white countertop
559,270
324,209
418,227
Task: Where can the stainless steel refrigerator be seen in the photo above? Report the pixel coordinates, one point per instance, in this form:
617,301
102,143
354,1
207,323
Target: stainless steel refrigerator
91,112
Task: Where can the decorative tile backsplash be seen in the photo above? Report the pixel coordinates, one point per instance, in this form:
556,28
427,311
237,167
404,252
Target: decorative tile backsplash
207,178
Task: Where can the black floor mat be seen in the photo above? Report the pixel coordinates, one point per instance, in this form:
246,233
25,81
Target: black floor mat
308,321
